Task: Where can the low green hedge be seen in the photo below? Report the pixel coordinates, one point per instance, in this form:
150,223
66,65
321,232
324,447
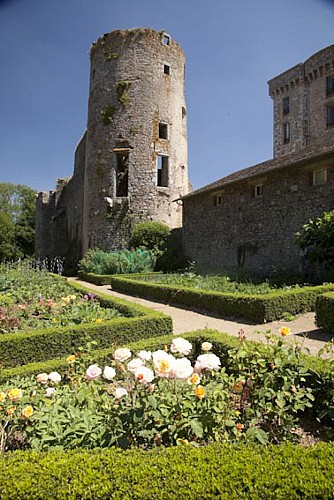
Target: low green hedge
324,309
229,472
105,279
44,344
256,308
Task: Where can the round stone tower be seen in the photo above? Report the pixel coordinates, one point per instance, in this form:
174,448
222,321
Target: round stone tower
136,153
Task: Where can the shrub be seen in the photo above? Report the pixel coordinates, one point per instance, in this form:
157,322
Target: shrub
124,262
317,240
324,309
152,235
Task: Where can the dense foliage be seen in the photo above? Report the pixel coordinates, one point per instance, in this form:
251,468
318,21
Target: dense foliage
17,221
123,262
316,239
151,235
160,398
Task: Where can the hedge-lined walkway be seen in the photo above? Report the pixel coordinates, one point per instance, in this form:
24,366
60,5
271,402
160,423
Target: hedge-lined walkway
185,320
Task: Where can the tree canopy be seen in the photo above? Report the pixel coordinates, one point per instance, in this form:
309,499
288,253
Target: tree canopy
17,221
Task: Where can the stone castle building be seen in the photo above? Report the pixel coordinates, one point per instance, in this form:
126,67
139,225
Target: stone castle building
249,218
131,163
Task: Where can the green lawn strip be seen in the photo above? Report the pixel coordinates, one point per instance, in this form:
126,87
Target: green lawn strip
228,472
324,309
255,308
105,279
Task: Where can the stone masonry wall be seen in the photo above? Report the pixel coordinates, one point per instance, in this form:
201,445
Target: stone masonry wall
305,86
256,233
137,82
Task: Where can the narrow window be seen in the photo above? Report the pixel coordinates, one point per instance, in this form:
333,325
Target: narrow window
259,190
319,177
163,131
165,39
330,116
122,177
286,105
330,85
220,200
162,171
286,133
166,69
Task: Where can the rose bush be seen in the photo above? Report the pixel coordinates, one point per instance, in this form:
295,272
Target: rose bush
159,398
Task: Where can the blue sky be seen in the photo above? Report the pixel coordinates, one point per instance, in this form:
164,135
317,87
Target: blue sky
233,47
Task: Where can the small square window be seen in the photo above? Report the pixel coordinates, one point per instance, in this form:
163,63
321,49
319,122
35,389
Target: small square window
286,105
330,116
259,190
163,131
286,133
319,177
165,39
330,85
166,69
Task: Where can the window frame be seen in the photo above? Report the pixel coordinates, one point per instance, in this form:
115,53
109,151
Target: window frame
330,85
163,172
330,115
286,133
317,182
286,105
258,190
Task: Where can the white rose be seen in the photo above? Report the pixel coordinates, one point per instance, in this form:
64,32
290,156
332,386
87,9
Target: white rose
54,377
93,372
206,346
182,369
207,362
50,392
134,364
145,355
122,354
120,392
181,346
144,375
163,363
42,378
108,373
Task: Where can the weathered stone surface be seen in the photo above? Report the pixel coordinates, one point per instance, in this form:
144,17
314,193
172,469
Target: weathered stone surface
136,113
226,226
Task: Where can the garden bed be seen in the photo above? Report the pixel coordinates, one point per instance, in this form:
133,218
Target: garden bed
259,308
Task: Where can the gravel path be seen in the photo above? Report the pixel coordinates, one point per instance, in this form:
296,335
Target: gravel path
303,328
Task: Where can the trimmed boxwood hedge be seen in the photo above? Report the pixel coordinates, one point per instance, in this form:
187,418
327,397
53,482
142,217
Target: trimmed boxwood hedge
324,309
105,279
44,344
229,472
255,308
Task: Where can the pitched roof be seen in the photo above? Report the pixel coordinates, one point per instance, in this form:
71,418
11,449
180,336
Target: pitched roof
305,156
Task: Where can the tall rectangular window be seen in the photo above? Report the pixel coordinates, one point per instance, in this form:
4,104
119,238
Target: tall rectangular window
122,174
286,105
330,116
163,131
286,133
166,69
162,170
330,85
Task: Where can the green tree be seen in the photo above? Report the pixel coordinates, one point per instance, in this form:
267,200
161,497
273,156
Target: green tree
316,239
17,221
152,235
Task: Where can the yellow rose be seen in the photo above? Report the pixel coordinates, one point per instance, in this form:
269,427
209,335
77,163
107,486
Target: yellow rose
98,320
14,394
27,411
200,391
70,359
194,379
284,331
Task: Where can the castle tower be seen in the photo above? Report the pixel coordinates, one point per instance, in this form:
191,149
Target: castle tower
136,153
303,99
